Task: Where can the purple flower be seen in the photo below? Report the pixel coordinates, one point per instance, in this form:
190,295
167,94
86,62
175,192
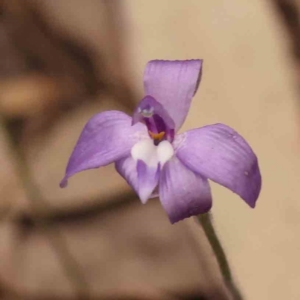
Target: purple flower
154,160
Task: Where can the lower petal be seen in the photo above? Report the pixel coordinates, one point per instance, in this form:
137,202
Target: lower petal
142,178
182,192
147,180
219,153
126,167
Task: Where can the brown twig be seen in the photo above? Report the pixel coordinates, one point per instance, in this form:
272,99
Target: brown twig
39,208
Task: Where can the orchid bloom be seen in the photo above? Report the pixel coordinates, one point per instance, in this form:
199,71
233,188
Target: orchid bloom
155,160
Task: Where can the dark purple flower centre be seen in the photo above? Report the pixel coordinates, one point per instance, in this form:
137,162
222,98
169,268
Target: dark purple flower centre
160,125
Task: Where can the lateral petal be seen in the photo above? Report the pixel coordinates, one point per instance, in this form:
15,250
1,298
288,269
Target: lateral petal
219,153
107,137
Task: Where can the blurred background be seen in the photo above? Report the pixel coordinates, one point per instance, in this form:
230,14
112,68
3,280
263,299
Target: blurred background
63,61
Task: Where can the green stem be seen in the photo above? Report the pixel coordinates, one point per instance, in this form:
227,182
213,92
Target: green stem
219,252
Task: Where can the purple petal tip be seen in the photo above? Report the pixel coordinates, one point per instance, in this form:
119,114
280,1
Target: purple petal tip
192,212
64,183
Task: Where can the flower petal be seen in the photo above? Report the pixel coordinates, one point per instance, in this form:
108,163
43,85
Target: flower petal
182,192
106,137
165,152
152,155
146,151
173,84
126,167
219,153
154,116
148,180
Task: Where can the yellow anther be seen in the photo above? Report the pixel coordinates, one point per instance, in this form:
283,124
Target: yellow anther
157,136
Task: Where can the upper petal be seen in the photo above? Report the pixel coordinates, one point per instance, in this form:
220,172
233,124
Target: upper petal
182,192
173,84
222,155
106,137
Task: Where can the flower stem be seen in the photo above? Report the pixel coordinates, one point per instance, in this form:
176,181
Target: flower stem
206,222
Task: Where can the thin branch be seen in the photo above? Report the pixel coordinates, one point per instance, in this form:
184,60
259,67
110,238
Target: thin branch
289,11
39,208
